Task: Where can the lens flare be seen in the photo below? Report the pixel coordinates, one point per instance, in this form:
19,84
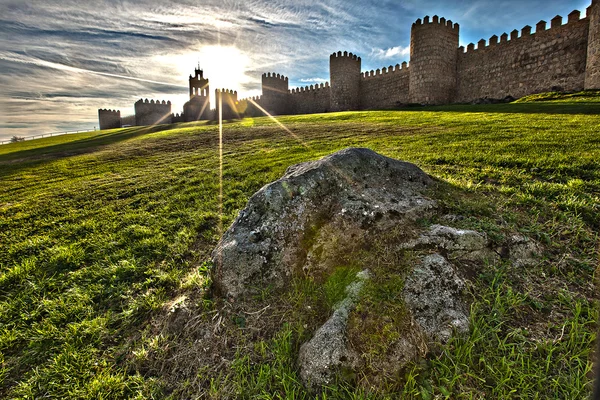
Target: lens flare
285,128
220,254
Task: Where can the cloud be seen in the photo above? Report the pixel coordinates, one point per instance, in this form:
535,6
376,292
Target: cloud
392,52
58,66
311,80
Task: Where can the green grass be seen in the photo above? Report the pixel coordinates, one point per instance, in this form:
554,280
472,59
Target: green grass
103,237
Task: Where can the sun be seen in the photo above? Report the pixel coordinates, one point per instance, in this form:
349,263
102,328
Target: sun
224,66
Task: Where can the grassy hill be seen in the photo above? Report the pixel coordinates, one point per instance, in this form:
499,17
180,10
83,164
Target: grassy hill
105,235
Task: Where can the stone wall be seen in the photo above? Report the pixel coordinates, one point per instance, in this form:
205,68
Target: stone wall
128,120
550,59
250,107
592,78
311,99
229,101
275,94
152,113
385,88
177,118
109,119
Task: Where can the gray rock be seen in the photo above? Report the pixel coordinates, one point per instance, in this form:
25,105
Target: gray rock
321,357
457,243
324,211
432,293
453,239
353,190
523,251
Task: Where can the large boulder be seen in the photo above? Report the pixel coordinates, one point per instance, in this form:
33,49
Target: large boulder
320,215
347,194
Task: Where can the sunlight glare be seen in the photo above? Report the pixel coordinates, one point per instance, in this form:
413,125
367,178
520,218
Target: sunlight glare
220,254
224,66
285,128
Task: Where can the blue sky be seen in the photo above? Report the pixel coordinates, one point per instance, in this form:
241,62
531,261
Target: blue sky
62,60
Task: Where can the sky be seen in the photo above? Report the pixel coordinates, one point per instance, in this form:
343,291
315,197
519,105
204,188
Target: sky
60,61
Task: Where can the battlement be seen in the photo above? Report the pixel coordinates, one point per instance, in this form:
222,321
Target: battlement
108,111
226,91
435,21
176,118
556,23
109,119
150,112
385,71
227,103
253,98
274,84
306,89
158,102
269,75
275,91
345,55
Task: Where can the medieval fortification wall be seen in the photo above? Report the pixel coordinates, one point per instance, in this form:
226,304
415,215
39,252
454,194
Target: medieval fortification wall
152,113
549,59
385,88
109,119
561,57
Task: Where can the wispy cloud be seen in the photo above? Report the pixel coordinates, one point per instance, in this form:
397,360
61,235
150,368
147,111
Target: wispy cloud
42,63
392,52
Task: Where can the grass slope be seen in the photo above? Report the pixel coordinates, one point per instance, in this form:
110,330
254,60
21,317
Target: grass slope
104,233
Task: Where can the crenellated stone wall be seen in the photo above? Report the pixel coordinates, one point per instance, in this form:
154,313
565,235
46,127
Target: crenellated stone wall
311,99
228,101
275,93
109,119
562,57
152,113
385,88
547,60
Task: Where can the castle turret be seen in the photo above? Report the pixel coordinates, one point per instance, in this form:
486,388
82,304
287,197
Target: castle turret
275,93
592,75
109,119
344,73
433,61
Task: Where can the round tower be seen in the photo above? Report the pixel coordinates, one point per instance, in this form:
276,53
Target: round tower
592,71
433,61
344,74
275,93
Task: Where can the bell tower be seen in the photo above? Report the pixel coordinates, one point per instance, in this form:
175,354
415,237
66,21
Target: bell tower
198,107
